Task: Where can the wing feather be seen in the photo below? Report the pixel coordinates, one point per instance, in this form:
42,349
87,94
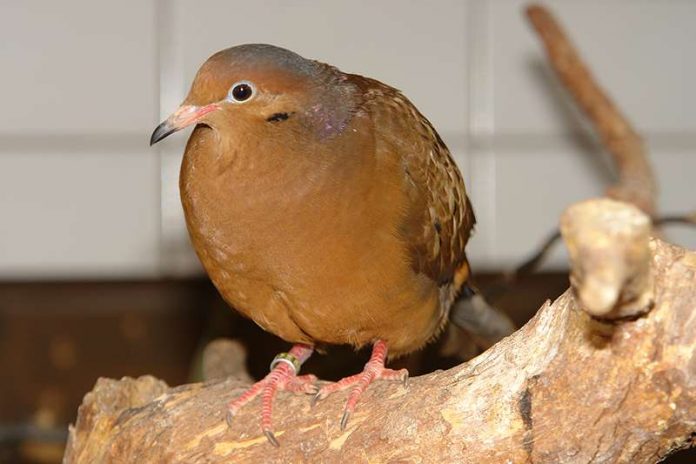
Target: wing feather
439,217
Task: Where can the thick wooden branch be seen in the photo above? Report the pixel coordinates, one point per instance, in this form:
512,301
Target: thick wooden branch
566,388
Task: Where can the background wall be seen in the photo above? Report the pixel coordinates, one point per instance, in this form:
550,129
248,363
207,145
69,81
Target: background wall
84,198
84,83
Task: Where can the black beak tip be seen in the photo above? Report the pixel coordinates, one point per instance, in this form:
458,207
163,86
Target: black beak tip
162,131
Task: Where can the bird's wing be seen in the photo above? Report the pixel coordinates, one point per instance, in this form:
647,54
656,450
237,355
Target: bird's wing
439,217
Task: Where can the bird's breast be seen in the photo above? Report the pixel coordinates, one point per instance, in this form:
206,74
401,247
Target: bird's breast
308,248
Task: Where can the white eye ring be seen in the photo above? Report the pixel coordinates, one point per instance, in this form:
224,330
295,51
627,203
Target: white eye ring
241,92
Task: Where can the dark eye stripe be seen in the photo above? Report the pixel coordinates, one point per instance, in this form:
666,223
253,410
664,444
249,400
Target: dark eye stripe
277,117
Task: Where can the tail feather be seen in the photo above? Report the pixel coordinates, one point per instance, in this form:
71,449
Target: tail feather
474,314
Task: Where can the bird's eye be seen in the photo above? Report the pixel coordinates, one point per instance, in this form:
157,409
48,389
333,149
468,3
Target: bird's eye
241,92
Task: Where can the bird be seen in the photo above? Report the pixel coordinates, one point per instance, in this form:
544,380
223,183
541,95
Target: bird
323,206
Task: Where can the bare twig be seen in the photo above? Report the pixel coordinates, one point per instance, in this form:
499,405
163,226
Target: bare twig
486,323
636,183
685,219
532,264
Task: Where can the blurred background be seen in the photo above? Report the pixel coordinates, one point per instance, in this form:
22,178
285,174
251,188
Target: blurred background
97,277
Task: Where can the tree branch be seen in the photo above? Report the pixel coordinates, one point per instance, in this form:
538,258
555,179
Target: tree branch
566,388
636,182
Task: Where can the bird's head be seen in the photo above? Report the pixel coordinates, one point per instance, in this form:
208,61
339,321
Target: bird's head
249,87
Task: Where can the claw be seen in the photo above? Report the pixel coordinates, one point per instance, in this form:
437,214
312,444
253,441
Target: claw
344,419
271,438
228,417
406,380
318,396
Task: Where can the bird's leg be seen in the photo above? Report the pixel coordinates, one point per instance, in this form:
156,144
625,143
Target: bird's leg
283,376
374,370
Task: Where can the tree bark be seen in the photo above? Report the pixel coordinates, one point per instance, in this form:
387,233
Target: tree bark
568,387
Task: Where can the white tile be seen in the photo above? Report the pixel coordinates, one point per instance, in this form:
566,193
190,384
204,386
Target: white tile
534,182
78,208
77,66
640,51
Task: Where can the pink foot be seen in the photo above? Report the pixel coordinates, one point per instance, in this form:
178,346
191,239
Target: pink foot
283,376
374,370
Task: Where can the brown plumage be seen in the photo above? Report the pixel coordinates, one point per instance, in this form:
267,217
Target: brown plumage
323,206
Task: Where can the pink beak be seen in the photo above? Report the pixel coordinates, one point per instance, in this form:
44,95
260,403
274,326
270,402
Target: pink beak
183,117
